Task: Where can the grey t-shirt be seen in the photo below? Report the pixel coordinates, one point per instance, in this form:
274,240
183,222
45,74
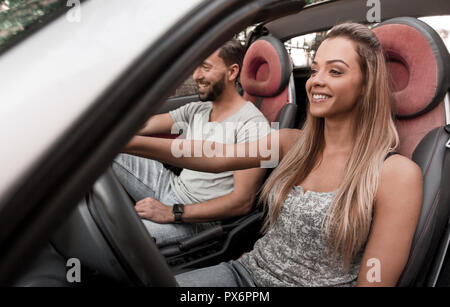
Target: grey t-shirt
246,125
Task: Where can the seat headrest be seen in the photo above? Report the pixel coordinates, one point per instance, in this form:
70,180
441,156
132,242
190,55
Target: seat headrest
419,63
266,68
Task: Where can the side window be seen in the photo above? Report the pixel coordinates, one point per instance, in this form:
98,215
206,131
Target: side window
442,26
187,88
302,48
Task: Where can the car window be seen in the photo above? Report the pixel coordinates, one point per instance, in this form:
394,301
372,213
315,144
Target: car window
187,88
442,26
19,17
302,48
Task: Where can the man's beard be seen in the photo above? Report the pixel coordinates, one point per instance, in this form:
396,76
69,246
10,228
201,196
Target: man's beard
215,92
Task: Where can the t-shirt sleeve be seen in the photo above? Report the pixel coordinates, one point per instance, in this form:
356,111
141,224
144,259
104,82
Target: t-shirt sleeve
182,116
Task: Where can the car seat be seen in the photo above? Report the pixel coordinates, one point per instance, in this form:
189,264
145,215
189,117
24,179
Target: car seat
268,82
420,68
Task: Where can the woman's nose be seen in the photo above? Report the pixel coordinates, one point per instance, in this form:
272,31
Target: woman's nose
317,79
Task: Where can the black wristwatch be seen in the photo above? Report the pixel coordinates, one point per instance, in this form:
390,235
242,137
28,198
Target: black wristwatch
178,210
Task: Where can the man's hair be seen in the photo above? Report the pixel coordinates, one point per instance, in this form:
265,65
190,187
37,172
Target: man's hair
232,52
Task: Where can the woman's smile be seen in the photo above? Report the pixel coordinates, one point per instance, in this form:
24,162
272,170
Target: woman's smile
319,98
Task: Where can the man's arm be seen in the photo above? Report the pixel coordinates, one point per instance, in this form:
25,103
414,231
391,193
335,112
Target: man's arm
238,202
160,123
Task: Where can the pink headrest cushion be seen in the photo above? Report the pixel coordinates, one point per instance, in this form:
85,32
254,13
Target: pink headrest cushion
414,57
266,68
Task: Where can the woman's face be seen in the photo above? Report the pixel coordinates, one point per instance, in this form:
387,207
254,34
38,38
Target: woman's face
335,84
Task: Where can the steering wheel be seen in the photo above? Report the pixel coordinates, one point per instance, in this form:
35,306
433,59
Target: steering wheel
114,211
107,235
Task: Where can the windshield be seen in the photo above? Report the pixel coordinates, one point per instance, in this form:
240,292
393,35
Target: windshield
20,17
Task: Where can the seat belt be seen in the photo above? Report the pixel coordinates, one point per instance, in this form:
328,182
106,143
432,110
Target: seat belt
258,102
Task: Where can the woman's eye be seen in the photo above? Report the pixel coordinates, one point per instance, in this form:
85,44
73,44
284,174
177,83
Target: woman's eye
335,72
312,72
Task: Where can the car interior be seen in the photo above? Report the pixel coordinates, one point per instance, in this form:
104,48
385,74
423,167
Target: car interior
105,233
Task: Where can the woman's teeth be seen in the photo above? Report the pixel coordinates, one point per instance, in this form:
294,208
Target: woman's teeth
320,97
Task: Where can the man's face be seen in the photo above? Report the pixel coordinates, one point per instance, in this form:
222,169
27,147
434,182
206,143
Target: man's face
210,77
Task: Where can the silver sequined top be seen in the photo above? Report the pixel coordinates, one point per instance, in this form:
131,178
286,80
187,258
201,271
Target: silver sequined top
294,252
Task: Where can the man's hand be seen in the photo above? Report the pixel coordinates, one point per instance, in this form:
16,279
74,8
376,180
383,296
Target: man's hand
151,209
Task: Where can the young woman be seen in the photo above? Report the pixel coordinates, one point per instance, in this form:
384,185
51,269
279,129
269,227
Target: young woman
341,209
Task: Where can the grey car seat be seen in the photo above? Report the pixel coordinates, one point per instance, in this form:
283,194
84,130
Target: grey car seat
420,69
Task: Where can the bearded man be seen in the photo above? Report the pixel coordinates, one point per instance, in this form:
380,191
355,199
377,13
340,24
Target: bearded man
175,207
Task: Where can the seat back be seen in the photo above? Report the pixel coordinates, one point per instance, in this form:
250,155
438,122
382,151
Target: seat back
420,68
267,81
419,64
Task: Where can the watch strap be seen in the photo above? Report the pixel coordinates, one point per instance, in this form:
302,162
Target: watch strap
178,210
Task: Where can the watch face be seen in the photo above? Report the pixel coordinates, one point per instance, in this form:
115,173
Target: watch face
177,208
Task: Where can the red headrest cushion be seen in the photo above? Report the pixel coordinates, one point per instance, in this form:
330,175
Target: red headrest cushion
417,58
266,68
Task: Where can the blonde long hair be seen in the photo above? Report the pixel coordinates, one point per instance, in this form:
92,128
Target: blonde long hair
348,220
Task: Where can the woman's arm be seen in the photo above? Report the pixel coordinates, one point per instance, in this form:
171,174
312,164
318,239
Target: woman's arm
215,157
396,213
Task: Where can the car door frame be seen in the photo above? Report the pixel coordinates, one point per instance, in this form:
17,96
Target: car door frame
95,138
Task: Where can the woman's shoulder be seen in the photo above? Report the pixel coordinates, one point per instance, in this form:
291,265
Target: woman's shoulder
400,176
397,166
288,137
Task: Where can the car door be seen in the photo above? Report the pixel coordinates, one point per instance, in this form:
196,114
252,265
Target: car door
91,85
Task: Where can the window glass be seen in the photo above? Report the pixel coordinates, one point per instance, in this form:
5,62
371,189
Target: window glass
442,26
187,88
17,17
302,48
